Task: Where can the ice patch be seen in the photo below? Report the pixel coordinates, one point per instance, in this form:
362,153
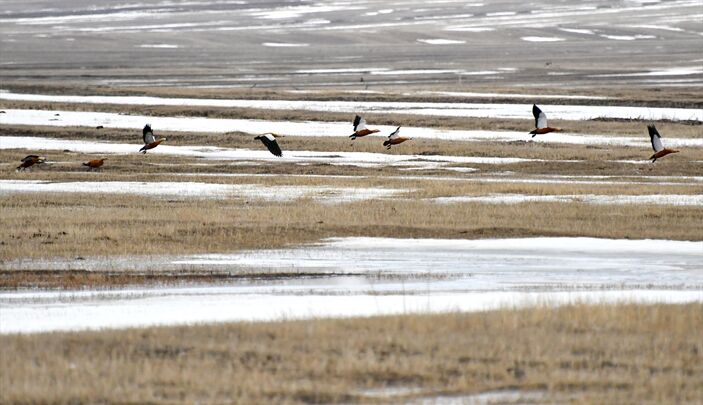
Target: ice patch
542,39
379,276
469,29
187,190
164,46
677,71
494,110
440,41
283,45
578,31
657,199
628,37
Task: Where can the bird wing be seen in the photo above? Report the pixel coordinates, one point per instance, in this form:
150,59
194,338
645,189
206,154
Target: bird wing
148,134
540,117
359,123
394,134
271,144
29,157
655,137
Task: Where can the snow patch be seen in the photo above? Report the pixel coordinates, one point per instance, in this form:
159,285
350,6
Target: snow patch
440,41
542,39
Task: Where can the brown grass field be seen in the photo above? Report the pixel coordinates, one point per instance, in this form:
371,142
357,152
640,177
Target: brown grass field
627,354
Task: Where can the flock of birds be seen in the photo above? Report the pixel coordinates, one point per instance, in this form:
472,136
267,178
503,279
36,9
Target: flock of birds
360,130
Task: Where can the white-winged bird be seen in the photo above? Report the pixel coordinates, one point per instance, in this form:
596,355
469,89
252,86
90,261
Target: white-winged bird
541,126
659,150
360,128
394,138
269,140
150,141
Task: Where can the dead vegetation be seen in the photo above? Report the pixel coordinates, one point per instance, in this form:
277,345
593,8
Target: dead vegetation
627,354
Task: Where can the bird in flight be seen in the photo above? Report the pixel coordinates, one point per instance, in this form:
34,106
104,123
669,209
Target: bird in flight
541,126
360,128
95,163
29,161
269,140
659,150
150,141
394,139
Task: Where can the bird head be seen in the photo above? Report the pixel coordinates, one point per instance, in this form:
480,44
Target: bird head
41,159
163,138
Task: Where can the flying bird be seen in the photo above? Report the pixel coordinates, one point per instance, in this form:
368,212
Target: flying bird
150,141
95,163
394,139
659,150
360,128
30,160
269,140
541,126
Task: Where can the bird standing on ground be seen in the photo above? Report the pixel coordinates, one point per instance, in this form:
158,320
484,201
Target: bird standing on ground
269,140
95,163
150,141
541,126
360,128
394,139
659,150
29,161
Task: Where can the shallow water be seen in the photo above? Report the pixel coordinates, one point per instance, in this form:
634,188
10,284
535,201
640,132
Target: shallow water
372,276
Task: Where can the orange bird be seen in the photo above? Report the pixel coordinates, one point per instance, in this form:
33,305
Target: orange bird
360,128
150,141
659,150
394,139
541,126
95,163
29,161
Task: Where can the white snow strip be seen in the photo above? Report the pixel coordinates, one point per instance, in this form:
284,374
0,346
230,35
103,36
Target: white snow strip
469,29
493,110
578,31
165,46
200,190
440,41
484,274
308,128
283,45
507,95
364,159
677,71
658,199
341,70
542,39
628,37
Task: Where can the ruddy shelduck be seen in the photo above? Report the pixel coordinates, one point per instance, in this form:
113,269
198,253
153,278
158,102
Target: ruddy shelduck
29,161
269,140
360,128
541,126
659,150
95,163
394,139
150,141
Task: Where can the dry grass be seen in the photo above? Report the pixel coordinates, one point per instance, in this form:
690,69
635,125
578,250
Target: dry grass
90,225
628,354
